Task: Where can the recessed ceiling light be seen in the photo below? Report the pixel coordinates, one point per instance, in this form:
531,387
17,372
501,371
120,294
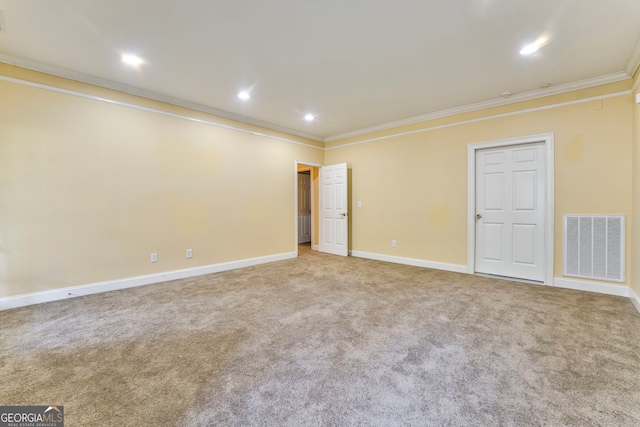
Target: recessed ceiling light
132,60
309,117
529,49
244,95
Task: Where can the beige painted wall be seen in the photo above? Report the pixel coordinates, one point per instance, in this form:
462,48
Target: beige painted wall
635,258
89,189
414,187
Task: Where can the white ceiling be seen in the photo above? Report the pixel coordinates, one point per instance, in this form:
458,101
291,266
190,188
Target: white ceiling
353,63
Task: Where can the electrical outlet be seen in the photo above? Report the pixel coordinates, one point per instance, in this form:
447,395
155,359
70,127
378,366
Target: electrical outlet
394,243
154,257
359,204
189,253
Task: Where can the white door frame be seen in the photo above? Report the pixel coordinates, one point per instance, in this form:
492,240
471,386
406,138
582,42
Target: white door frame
547,140
313,203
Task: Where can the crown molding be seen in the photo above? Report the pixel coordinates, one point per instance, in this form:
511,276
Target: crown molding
121,87
481,119
153,110
525,96
634,60
630,68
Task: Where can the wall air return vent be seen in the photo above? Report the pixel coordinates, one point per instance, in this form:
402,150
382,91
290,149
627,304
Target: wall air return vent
594,247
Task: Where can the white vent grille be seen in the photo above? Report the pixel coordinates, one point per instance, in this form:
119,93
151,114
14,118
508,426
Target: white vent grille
594,247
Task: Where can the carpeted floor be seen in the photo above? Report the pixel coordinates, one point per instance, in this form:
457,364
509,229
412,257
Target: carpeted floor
327,341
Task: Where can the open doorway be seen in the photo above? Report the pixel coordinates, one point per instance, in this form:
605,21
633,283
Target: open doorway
306,206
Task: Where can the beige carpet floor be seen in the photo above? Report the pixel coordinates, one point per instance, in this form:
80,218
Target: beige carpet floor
328,341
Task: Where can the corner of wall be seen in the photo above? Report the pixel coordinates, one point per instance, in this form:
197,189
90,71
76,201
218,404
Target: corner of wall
635,232
635,300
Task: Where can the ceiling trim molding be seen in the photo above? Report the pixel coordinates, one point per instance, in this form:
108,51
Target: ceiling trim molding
151,110
635,84
132,90
634,60
481,119
525,96
630,68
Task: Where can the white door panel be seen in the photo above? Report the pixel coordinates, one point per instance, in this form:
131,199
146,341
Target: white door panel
510,203
494,191
524,191
524,243
493,237
333,209
304,228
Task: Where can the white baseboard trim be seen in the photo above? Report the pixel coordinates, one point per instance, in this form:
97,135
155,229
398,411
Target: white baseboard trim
315,247
130,282
411,261
599,287
635,300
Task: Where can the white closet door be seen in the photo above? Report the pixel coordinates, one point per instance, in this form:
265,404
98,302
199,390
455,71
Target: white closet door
510,208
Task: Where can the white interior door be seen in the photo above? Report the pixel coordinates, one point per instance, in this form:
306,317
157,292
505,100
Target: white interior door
304,207
510,208
333,210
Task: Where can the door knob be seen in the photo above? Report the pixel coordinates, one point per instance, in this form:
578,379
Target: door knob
478,216
343,214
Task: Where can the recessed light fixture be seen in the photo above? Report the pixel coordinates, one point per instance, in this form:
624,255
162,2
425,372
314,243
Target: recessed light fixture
529,49
132,60
309,117
244,95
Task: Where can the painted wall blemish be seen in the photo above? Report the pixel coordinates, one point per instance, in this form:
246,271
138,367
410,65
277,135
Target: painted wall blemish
574,150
